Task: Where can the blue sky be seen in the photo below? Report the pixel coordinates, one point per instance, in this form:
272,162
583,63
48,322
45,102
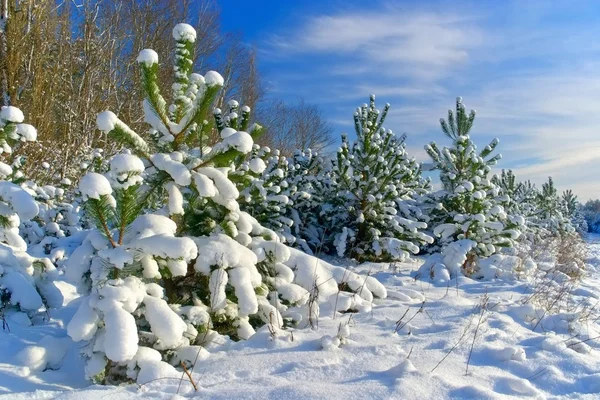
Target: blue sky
531,69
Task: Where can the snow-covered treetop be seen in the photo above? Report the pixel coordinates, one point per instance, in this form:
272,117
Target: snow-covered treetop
213,78
461,162
10,114
459,123
148,57
13,131
184,32
94,186
232,120
182,122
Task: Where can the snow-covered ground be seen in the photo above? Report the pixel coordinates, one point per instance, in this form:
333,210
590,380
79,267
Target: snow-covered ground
413,345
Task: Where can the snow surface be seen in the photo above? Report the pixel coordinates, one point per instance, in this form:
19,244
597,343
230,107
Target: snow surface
362,355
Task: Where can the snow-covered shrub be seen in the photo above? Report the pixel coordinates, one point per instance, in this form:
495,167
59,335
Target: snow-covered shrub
449,264
58,215
374,189
289,195
59,204
173,259
25,281
470,208
553,225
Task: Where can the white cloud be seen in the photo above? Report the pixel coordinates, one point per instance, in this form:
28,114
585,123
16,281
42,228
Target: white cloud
390,41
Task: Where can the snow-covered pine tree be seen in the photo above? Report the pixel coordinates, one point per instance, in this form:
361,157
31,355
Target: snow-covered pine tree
551,215
470,209
266,194
25,281
133,263
523,199
569,203
374,177
173,259
259,176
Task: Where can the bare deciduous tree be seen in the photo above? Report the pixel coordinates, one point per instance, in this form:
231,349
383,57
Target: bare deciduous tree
295,127
67,61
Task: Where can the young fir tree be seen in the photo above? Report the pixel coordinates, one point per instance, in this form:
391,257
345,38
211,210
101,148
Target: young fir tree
470,205
173,260
569,203
373,178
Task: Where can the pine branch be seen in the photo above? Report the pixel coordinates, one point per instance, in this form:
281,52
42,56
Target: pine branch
129,206
100,211
152,92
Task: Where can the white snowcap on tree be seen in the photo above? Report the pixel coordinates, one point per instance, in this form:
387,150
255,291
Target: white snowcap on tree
148,57
18,200
125,170
93,186
12,114
106,121
213,78
184,32
27,132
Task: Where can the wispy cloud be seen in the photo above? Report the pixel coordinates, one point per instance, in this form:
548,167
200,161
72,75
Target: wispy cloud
390,41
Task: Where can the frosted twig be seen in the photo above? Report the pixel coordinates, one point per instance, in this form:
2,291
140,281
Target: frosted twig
189,376
482,310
